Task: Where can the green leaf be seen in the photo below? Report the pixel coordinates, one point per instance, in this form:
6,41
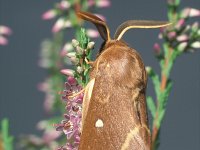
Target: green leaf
177,2
161,115
155,80
166,93
7,140
151,106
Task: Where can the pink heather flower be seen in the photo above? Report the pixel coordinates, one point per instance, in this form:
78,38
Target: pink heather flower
3,40
91,3
4,30
92,33
67,72
103,3
190,12
171,35
59,25
157,48
50,14
182,38
63,5
66,48
71,80
101,17
44,86
50,135
71,125
180,23
48,102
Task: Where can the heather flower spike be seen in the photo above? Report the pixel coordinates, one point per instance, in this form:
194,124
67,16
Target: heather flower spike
54,57
71,125
180,38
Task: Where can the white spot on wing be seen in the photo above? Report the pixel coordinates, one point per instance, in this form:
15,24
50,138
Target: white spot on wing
99,123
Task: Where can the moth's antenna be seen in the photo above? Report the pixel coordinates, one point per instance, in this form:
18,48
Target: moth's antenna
144,24
100,24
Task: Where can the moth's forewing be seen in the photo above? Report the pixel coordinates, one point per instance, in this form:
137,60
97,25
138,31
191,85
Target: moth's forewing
116,117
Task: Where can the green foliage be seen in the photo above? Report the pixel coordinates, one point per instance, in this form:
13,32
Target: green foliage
177,39
7,140
151,106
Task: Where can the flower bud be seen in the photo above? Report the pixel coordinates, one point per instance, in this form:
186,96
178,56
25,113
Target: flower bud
90,45
156,48
79,69
190,12
195,44
79,50
75,43
59,25
71,54
71,80
180,23
3,40
64,5
171,35
67,72
92,33
67,24
182,46
103,3
66,48
194,12
74,60
195,26
148,69
182,38
50,14
5,30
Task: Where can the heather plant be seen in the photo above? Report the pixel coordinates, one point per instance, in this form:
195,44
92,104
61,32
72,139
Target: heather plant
73,95
181,37
6,140
57,53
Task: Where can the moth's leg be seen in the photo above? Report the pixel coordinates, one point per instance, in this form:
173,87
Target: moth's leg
76,94
89,62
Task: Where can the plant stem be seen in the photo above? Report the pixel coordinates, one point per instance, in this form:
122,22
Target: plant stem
160,102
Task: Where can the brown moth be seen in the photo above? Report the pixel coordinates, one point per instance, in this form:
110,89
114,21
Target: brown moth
114,113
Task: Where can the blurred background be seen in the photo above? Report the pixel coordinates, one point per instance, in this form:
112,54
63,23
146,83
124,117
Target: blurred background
22,103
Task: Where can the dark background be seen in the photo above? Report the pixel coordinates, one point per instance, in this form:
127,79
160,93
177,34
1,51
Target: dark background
22,103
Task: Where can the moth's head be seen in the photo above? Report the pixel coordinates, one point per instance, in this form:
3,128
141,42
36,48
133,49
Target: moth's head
105,32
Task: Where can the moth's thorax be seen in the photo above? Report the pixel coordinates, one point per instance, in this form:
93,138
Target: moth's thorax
119,64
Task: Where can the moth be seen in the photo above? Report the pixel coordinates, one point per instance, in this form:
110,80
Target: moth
114,115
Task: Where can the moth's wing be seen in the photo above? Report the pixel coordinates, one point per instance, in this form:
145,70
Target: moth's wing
100,24
86,99
144,24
